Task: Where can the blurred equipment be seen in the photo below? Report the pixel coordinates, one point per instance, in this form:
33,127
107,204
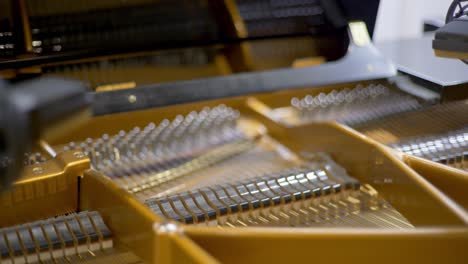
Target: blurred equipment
415,58
32,111
451,40
162,41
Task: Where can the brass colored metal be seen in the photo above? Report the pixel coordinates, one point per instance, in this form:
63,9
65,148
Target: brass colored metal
60,128
26,26
389,176
307,62
343,245
222,64
375,165
451,181
175,247
241,30
434,206
451,54
402,209
392,118
240,56
8,74
45,190
144,159
129,220
30,70
330,139
115,87
47,148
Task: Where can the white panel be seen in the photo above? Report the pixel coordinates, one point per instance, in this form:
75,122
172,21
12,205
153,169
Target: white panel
399,19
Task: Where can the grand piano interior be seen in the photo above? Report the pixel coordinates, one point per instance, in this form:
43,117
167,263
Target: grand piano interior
235,131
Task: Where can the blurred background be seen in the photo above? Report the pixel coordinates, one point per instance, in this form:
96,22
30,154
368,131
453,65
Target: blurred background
400,19
158,114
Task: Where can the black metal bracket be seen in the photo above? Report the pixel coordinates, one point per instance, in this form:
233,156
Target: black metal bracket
361,63
26,109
